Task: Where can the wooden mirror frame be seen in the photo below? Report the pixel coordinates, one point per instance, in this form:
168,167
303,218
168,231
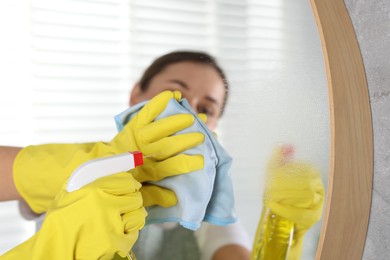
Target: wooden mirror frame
348,202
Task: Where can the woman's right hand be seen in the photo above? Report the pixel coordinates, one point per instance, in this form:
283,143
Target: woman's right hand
40,170
95,222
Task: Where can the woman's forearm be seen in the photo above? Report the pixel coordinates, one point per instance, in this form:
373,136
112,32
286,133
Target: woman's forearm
7,186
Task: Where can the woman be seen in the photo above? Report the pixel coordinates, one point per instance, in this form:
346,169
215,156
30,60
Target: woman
201,81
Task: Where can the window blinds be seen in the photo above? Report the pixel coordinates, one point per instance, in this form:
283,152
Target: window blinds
80,66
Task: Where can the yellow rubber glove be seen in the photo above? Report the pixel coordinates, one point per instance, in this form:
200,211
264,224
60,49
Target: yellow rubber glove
95,222
294,191
39,171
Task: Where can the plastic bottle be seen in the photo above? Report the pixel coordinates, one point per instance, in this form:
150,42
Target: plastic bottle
273,237
100,167
274,234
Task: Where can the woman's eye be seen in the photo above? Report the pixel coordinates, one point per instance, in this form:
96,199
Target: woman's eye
206,110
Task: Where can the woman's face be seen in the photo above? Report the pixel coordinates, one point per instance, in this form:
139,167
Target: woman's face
200,84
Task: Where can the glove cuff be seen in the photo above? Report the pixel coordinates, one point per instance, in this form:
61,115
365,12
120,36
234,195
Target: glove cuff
40,170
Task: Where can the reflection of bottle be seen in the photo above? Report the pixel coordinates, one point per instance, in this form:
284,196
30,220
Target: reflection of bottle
273,237
274,233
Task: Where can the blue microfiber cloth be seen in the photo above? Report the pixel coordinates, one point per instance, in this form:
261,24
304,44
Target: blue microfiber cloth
203,195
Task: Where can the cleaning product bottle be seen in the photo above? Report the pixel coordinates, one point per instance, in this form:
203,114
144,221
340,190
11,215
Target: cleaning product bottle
273,237
100,167
274,233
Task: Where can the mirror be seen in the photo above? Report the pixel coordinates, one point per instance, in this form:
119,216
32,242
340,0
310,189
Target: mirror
269,60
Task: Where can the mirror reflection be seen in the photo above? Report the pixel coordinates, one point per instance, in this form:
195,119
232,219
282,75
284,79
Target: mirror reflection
79,64
284,102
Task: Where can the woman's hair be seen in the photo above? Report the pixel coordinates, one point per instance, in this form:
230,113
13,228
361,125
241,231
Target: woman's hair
179,56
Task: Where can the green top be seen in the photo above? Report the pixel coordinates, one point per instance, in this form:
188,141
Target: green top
156,243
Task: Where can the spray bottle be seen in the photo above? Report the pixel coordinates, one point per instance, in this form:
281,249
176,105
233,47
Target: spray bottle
274,234
97,168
